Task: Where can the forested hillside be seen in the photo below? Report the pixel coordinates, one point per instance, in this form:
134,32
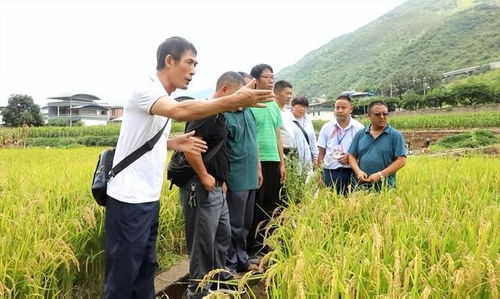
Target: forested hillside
420,39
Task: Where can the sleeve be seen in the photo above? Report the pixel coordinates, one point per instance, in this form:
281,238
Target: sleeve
323,136
144,98
203,127
313,144
277,111
399,145
354,148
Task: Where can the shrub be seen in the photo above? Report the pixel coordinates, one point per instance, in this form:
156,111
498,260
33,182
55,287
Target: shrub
471,139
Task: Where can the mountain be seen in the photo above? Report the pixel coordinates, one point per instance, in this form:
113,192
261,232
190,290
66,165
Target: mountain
420,38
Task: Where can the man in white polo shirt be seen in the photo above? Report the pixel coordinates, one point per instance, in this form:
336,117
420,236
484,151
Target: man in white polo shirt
132,206
334,140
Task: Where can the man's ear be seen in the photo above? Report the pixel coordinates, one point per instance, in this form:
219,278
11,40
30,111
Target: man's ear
169,60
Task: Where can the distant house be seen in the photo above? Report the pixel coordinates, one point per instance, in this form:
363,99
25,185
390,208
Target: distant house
115,113
80,107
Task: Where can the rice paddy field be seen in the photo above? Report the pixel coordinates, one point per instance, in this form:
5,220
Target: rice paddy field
435,236
51,230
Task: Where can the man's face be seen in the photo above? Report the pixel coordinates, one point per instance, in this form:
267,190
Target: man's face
378,115
265,80
181,72
299,110
342,109
284,96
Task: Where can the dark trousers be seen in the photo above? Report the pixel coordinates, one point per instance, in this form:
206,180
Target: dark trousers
208,233
339,178
241,209
267,199
130,249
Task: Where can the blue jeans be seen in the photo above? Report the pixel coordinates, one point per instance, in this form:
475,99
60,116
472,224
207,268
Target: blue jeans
339,178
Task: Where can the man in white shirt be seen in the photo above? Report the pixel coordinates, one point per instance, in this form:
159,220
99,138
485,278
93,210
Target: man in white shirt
283,92
132,206
334,140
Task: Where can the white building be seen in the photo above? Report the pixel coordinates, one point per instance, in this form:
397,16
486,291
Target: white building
78,107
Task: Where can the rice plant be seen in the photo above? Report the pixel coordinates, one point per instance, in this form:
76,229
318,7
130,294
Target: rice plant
51,230
435,236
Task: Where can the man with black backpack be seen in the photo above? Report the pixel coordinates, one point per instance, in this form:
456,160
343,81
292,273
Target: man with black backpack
206,214
132,205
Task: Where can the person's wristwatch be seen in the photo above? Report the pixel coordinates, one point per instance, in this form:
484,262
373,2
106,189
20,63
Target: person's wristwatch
381,175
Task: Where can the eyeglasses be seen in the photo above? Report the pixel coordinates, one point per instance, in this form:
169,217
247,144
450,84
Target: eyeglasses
267,77
379,114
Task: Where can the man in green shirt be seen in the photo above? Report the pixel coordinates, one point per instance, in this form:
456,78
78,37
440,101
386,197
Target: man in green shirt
268,121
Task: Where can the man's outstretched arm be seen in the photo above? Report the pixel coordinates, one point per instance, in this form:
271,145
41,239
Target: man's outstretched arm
198,109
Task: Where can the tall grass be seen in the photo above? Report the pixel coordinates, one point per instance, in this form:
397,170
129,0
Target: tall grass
51,230
435,236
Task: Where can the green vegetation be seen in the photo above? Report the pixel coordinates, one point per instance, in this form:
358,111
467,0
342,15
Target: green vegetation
470,139
21,110
406,50
51,238
66,136
461,120
435,236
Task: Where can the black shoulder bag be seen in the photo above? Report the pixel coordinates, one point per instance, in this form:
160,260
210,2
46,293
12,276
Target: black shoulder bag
179,172
105,171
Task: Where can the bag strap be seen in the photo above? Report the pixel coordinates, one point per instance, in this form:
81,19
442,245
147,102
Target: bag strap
146,147
214,151
303,131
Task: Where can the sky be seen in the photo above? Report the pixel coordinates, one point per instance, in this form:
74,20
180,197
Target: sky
101,47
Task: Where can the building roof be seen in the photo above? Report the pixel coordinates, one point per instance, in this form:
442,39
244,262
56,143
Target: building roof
78,97
92,106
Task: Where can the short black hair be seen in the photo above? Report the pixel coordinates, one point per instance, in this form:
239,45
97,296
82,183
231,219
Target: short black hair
245,75
344,97
281,84
375,103
230,78
300,101
174,46
259,68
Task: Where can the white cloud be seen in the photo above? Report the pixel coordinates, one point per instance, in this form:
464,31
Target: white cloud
51,47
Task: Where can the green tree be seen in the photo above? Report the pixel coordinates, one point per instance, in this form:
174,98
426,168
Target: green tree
468,94
412,101
437,97
21,110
